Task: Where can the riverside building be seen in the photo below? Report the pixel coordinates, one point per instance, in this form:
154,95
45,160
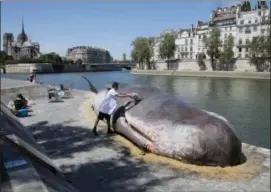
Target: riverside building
243,26
89,54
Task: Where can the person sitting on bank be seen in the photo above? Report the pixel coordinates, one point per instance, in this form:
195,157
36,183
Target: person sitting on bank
20,102
108,105
31,77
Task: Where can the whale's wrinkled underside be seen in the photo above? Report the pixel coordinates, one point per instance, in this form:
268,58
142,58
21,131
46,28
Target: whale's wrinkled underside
166,125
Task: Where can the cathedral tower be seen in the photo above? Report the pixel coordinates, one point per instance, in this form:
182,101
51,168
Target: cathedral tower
21,38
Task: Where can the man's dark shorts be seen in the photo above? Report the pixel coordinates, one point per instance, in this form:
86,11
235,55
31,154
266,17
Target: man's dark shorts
102,116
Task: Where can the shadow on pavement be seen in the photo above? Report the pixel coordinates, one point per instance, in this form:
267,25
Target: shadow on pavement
118,173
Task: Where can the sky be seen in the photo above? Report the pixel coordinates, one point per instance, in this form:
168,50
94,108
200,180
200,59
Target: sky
58,25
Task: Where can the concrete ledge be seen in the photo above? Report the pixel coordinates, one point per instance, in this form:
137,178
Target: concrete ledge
216,74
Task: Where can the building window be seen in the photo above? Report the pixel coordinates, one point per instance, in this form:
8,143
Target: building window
242,22
230,28
186,41
249,22
246,56
241,29
225,36
240,50
191,56
263,30
186,49
247,41
247,30
255,28
182,49
239,55
191,41
246,49
256,20
240,41
191,49
199,36
225,28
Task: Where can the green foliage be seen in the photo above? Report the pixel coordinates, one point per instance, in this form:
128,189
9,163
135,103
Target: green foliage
246,6
67,61
6,59
260,52
167,48
142,52
50,58
200,60
213,45
79,62
227,59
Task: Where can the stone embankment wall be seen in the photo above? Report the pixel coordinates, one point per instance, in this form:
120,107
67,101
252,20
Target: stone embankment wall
192,65
29,67
55,68
218,74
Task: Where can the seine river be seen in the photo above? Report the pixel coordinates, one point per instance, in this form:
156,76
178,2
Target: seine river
244,102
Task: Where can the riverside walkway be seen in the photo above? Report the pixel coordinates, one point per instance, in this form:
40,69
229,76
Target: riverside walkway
104,164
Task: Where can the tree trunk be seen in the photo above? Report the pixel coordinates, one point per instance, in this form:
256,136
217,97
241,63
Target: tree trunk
168,64
213,64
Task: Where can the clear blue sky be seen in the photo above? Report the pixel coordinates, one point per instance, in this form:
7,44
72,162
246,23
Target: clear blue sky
112,25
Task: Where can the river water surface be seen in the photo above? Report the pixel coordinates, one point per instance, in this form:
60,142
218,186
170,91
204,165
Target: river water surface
244,102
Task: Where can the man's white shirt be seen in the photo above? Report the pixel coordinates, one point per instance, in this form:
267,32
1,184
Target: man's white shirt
109,103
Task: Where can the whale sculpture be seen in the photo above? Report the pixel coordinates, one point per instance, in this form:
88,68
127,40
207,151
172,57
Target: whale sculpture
167,126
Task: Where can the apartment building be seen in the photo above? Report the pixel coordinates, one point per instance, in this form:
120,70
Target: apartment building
89,54
243,26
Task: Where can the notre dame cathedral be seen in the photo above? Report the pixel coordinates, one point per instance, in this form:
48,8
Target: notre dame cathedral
22,48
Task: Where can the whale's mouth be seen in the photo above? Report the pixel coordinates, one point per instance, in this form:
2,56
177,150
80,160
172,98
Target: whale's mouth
140,133
140,139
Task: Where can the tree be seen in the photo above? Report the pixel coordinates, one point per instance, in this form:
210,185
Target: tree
200,61
246,6
260,52
3,57
79,62
213,44
227,59
50,58
167,48
141,52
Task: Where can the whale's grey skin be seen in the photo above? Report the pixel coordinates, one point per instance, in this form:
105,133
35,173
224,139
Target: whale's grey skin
167,126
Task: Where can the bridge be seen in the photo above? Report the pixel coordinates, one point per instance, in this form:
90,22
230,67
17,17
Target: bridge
127,66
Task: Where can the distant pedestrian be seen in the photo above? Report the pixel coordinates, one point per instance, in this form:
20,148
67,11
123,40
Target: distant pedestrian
108,106
32,77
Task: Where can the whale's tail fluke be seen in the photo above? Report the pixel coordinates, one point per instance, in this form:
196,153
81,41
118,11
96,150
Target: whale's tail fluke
91,87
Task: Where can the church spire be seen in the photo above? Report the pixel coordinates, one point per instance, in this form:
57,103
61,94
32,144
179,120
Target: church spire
23,32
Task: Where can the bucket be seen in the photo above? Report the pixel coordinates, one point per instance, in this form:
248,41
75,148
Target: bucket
22,113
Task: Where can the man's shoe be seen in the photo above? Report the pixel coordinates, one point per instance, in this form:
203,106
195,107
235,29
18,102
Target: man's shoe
110,132
95,132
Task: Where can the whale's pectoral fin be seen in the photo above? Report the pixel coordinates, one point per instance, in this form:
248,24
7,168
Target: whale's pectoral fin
123,128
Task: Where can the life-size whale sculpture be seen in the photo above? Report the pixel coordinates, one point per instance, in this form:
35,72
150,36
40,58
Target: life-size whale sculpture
165,125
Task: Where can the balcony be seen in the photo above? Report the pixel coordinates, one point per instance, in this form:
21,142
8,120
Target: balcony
247,31
266,22
241,45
